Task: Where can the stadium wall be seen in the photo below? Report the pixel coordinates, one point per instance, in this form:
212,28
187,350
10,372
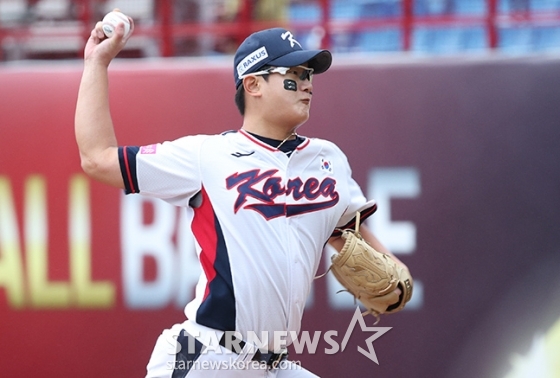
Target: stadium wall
461,153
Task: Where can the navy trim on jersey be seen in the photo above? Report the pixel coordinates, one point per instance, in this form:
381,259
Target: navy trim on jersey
127,162
217,309
286,147
184,359
364,214
271,144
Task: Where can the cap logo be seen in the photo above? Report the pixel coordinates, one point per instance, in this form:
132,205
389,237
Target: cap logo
291,38
250,60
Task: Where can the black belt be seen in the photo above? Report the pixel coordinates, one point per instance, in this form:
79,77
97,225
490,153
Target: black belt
270,358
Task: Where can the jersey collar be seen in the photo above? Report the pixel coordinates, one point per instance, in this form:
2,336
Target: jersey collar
263,143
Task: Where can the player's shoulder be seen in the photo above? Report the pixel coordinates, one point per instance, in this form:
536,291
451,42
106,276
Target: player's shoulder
213,143
201,139
325,145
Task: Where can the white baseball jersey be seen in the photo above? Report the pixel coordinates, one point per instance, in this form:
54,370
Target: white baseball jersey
260,218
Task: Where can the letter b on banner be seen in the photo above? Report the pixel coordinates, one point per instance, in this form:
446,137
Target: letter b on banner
167,240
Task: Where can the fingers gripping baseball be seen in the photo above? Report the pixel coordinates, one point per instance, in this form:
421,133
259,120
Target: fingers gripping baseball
115,19
109,36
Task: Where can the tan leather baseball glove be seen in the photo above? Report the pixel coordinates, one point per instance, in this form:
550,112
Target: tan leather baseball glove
371,276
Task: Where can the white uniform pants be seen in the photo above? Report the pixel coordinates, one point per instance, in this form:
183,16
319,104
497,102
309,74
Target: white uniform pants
177,354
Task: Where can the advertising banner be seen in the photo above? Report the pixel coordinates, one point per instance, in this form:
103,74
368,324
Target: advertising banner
461,156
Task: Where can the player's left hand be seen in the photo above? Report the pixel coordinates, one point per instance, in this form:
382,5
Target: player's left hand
380,282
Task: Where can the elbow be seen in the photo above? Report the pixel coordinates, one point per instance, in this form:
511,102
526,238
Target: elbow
90,167
103,167
95,169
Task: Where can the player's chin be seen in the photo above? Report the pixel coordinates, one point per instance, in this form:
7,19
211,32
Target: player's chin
302,117
304,110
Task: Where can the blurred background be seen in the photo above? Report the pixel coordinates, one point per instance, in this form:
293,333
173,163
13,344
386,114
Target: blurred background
54,29
448,111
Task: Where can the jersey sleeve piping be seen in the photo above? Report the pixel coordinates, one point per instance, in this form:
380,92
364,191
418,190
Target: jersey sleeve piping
127,163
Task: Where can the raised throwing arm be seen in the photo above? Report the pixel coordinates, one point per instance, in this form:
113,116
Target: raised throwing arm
94,131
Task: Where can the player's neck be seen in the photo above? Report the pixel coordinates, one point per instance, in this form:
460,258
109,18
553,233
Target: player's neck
269,131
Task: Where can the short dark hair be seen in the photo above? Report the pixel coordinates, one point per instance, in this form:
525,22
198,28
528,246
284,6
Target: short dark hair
240,99
240,95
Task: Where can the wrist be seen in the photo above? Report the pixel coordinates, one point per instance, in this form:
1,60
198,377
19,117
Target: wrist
94,63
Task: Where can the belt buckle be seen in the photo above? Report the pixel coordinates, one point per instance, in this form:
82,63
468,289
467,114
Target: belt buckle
276,359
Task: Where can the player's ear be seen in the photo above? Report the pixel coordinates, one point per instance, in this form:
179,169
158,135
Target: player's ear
252,86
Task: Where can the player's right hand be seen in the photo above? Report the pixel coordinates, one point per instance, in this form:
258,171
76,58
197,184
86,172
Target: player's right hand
103,50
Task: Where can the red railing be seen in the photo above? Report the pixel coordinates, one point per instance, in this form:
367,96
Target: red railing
164,30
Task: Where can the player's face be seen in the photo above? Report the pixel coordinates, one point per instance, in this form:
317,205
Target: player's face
288,95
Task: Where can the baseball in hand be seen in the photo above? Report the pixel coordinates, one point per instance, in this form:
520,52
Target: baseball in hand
112,19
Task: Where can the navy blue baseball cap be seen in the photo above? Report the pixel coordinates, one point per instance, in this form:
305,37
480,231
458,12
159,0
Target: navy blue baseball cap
276,47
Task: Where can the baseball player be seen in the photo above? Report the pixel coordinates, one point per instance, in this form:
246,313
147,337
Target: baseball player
263,201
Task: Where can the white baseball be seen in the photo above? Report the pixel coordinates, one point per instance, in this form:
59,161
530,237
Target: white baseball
112,19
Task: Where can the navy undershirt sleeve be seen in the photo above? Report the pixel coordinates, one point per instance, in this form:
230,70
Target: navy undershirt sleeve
364,214
127,162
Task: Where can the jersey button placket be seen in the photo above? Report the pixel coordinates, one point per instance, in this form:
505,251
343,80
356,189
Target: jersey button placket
289,254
